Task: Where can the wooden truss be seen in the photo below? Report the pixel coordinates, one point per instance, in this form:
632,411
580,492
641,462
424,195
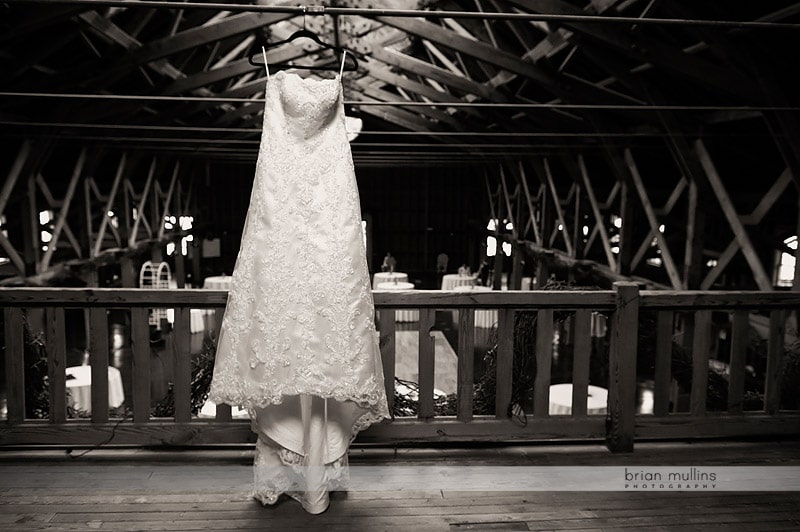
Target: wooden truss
109,221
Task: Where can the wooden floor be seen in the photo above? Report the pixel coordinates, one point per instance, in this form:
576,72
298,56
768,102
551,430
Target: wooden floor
208,490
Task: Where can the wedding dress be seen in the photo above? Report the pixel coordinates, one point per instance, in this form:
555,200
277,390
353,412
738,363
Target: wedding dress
298,346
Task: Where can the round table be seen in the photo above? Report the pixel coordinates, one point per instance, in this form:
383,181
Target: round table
561,399
388,277
219,282
452,280
80,387
197,316
404,315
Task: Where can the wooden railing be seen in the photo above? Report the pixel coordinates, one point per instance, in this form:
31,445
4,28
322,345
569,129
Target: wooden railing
619,427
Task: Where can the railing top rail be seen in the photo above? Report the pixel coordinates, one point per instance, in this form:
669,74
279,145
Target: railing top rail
440,299
111,297
141,297
721,300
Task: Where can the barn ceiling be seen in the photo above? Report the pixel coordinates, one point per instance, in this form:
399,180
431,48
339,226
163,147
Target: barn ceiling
439,81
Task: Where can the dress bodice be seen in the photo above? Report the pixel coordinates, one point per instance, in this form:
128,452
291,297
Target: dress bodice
304,106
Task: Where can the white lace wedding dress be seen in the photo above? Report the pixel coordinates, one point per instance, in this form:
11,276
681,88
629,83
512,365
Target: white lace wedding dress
298,346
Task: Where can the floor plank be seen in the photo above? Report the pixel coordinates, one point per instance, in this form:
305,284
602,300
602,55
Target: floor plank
201,490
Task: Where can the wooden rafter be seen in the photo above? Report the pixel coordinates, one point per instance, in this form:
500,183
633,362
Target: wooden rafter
499,58
728,209
647,206
752,219
647,49
61,218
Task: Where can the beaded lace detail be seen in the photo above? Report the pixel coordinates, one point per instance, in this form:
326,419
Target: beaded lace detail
300,314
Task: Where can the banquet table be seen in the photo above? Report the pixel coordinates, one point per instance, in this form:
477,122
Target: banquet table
388,277
485,319
219,282
452,280
196,318
401,315
80,387
561,399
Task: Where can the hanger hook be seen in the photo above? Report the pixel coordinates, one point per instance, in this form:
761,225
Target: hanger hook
305,10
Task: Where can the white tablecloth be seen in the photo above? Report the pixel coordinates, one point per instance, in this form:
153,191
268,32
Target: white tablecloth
485,319
220,282
452,280
80,387
387,277
196,318
561,400
404,315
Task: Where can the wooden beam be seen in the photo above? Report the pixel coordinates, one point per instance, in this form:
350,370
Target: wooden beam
426,70
231,70
395,116
522,178
168,200
425,112
502,59
735,223
507,199
559,213
651,50
54,203
768,200
669,263
600,223
753,218
62,216
13,174
107,29
170,45
109,205
142,203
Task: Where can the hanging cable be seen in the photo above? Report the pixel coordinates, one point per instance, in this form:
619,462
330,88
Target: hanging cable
356,103
371,12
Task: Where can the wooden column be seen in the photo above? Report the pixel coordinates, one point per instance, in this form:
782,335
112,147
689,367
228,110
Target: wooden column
466,363
626,232
56,363
693,252
505,362
31,250
426,363
544,361
621,420
775,354
387,346
15,367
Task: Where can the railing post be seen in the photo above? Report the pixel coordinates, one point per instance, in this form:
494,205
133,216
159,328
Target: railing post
15,365
621,417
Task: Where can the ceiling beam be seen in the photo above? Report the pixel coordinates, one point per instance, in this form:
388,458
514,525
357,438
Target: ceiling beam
648,49
556,85
425,69
103,73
